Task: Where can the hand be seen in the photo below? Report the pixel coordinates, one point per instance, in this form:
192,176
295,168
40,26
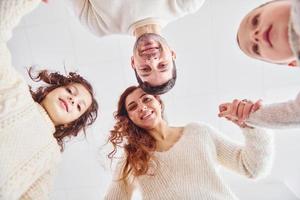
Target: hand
238,111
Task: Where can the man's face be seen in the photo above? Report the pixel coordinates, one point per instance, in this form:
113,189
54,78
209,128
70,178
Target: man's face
263,33
152,59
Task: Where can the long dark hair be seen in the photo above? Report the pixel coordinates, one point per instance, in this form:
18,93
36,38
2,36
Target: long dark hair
138,144
55,80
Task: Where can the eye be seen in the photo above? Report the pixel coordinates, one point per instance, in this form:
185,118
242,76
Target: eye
79,108
132,107
68,90
162,65
146,99
255,49
255,20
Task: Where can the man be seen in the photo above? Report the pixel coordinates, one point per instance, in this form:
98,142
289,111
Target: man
153,61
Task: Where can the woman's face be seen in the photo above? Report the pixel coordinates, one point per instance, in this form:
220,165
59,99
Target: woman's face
143,109
263,33
66,104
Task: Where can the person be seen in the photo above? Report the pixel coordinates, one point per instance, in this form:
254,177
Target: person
153,60
270,33
35,123
168,162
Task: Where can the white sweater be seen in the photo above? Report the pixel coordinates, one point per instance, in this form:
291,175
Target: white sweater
104,17
190,169
28,150
284,114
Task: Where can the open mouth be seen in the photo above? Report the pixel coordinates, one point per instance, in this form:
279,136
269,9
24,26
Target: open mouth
64,104
146,115
266,36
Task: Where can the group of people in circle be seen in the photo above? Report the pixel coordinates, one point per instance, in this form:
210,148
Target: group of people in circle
162,161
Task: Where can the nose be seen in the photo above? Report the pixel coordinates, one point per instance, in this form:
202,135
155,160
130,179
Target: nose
71,100
256,36
143,107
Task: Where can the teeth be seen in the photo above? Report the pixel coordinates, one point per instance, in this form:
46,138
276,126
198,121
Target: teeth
147,114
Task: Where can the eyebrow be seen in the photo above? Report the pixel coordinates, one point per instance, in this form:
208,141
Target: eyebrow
139,98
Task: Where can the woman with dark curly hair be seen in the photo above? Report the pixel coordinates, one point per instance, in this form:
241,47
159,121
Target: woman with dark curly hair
168,162
34,123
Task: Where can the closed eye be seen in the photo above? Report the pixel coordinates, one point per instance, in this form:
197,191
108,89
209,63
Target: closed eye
69,90
255,49
255,20
79,108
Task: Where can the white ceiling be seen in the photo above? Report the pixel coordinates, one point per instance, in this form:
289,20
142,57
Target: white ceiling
211,70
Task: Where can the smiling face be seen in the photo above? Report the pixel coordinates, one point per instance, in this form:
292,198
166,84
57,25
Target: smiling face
66,104
152,59
143,109
263,33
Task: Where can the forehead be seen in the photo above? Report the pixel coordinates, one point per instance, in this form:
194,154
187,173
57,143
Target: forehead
135,95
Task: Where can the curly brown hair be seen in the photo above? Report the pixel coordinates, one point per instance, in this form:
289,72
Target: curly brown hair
138,144
55,80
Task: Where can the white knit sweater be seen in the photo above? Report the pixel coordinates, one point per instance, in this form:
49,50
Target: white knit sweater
28,150
284,114
104,17
190,169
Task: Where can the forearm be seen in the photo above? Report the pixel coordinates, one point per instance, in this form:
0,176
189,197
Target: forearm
251,159
11,12
40,189
277,115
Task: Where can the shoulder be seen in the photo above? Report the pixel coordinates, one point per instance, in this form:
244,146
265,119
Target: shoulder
199,128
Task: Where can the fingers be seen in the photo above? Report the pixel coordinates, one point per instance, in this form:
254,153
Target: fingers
257,105
224,109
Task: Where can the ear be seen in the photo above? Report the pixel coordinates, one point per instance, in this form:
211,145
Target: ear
173,54
132,62
293,63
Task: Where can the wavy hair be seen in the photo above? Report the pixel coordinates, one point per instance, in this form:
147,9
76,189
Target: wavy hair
53,81
137,143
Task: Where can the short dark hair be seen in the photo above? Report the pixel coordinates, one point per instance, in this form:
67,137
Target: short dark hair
159,89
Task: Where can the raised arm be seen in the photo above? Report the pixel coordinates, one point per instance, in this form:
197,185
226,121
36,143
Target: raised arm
252,159
277,115
40,188
11,12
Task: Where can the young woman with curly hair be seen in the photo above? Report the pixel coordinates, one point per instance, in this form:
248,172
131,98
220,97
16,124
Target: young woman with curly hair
34,123
168,162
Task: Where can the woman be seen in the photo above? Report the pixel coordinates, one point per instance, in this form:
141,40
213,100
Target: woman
178,162
34,124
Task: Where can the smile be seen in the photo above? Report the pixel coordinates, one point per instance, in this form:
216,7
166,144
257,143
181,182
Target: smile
63,104
266,36
146,115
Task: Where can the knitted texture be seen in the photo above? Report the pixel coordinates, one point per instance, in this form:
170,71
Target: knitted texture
189,170
104,17
294,29
27,147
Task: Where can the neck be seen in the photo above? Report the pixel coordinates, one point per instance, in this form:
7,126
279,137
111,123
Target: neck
161,132
149,28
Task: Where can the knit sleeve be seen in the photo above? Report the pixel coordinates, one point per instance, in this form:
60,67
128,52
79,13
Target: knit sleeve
88,16
118,189
252,159
277,115
40,189
11,12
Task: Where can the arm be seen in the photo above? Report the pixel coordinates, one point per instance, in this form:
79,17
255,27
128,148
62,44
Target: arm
277,115
252,159
88,16
118,189
40,189
11,12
